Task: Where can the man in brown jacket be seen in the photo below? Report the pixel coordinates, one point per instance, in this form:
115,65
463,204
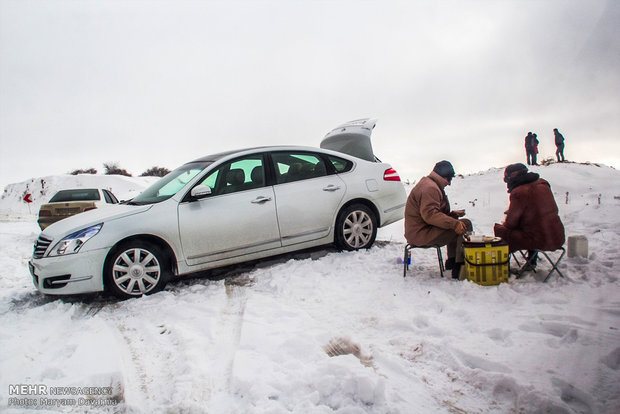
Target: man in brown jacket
532,220
429,221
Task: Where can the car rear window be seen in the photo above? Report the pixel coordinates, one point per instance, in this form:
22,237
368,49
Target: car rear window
341,165
87,194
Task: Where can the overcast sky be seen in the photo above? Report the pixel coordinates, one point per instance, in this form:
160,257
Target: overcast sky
145,83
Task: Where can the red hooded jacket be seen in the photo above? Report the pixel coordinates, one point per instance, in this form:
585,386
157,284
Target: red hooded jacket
532,220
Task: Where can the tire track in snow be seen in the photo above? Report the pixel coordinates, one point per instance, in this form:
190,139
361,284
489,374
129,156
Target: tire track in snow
228,330
149,355
174,360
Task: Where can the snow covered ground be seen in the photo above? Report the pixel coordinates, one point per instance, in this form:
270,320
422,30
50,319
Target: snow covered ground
324,331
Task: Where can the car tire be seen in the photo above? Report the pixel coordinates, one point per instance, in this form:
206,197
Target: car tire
134,269
356,228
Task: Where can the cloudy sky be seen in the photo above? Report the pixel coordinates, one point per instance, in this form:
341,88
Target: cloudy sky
145,83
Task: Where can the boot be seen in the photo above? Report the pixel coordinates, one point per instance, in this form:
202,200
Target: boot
449,263
456,270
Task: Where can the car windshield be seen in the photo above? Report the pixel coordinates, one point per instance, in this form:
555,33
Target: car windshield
171,184
67,196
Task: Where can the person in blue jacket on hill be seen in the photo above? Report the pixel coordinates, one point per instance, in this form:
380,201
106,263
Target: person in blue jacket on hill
559,144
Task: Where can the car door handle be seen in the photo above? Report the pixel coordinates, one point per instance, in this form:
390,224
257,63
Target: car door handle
261,199
331,187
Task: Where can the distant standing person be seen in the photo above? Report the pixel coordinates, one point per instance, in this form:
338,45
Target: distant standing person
559,144
528,148
534,149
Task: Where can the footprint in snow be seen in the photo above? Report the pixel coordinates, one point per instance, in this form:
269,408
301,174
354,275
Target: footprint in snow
567,334
579,400
484,364
612,360
500,336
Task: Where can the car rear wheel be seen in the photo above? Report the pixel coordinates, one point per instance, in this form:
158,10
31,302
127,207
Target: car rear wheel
356,228
135,269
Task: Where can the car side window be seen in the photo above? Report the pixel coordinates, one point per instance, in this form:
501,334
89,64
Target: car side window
292,166
239,175
340,164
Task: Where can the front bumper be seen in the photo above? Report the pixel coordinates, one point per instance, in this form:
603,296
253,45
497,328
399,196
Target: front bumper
72,274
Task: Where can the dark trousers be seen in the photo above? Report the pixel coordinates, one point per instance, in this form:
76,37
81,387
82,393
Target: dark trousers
453,241
531,157
559,152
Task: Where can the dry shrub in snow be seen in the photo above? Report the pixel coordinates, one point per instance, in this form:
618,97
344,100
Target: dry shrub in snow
112,168
155,172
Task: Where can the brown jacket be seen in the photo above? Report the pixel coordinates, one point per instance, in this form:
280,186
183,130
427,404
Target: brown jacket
532,220
427,211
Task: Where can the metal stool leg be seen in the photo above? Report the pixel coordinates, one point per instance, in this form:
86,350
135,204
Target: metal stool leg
406,261
554,265
440,259
407,258
526,263
522,267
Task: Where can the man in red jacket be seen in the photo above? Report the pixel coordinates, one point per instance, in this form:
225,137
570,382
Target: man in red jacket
532,220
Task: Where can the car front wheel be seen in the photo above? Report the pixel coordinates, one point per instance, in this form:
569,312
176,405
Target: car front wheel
356,228
135,269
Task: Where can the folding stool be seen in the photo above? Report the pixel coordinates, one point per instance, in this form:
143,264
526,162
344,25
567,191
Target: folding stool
554,263
408,248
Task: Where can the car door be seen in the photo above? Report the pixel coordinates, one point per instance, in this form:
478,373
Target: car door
237,218
306,196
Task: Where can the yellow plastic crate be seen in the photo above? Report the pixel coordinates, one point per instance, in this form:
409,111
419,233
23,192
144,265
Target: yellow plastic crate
486,263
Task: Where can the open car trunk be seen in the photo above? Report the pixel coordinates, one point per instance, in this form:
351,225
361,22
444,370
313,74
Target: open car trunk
352,138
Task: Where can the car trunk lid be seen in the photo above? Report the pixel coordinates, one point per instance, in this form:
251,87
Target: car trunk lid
352,138
68,209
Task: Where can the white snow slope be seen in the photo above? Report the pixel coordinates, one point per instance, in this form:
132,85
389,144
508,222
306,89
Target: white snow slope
325,331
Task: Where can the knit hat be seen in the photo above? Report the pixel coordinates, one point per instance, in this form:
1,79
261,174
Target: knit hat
513,171
444,169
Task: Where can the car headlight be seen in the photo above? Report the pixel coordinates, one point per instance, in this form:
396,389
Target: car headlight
73,242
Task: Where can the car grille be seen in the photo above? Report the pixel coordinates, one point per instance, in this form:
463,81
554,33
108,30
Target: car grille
40,247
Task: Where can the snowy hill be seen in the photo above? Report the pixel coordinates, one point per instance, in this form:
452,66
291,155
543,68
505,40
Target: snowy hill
327,331
579,189
44,188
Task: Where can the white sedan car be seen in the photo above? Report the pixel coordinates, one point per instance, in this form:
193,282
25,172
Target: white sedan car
223,209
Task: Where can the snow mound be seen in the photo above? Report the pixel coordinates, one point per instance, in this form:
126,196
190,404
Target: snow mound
43,188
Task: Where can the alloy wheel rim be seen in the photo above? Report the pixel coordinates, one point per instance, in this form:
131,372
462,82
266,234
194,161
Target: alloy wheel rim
136,271
357,229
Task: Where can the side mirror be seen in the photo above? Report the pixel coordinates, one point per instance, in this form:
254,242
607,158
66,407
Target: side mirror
200,191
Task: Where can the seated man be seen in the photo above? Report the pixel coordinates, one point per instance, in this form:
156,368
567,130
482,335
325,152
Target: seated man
429,221
532,220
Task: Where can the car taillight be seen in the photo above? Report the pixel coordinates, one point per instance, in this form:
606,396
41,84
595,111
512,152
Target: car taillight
90,208
391,175
44,213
